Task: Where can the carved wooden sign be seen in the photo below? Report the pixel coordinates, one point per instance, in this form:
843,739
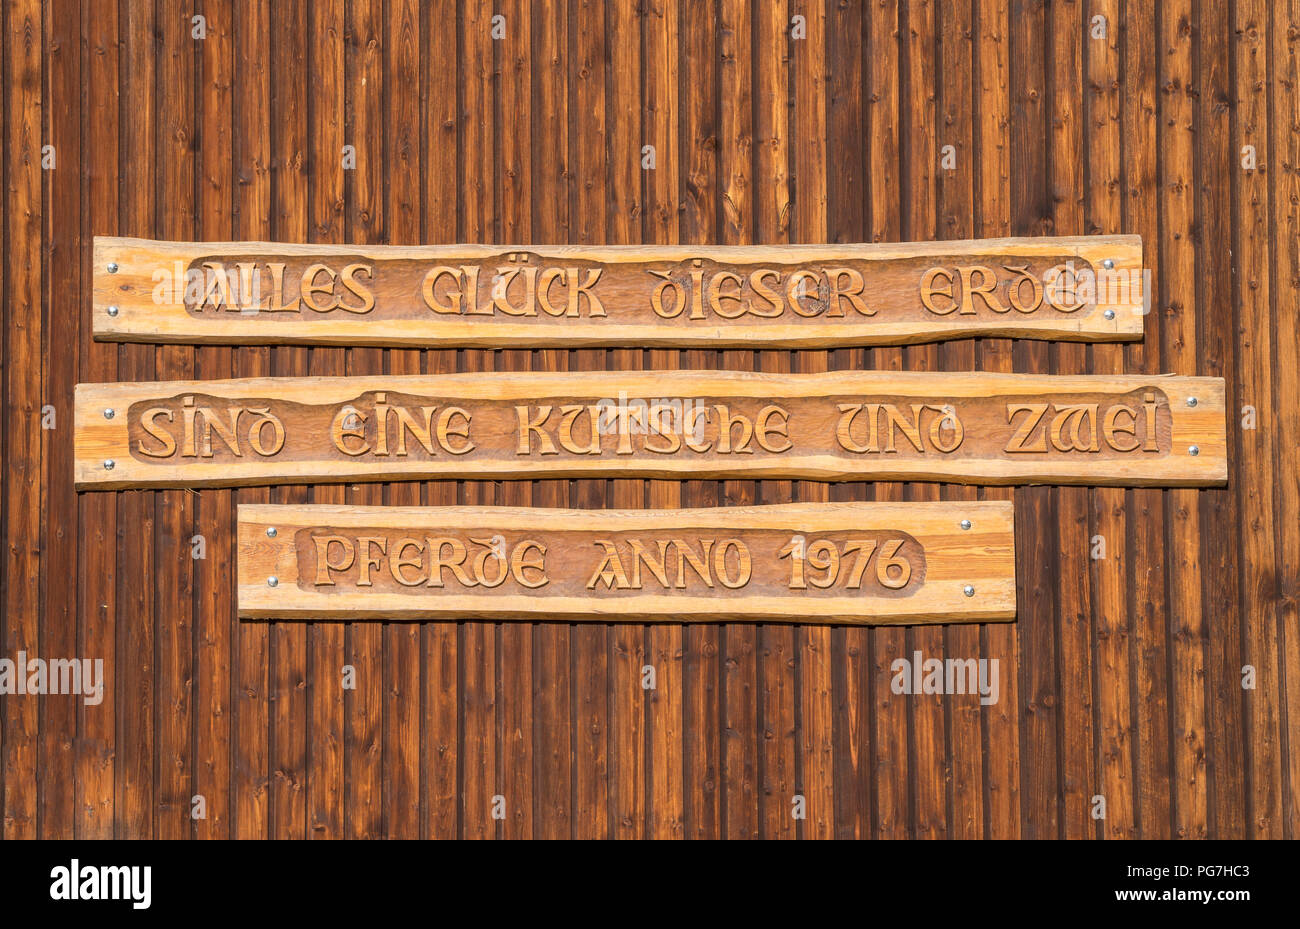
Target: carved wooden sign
1088,288
837,562
961,427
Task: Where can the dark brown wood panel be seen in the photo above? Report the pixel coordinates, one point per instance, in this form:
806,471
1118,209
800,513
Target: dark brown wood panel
770,123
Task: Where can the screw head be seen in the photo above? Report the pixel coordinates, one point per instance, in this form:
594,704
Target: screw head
1108,263
112,267
1109,314
109,413
1194,451
1191,401
272,581
968,590
965,524
112,311
271,532
109,464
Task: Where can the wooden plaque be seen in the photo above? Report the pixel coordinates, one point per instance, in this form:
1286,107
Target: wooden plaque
964,427
1088,288
827,562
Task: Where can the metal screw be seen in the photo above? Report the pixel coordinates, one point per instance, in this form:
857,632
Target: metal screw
110,413
272,581
109,463
1108,263
1194,450
1191,401
1109,314
270,532
112,311
965,523
968,590
112,267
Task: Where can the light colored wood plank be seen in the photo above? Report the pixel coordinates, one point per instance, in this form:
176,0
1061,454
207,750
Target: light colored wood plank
493,296
810,562
794,426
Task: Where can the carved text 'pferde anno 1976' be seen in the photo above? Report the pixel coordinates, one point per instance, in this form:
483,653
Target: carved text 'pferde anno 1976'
963,427
837,562
1089,288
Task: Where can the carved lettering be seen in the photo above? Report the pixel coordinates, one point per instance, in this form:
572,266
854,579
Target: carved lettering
562,296
797,562
898,426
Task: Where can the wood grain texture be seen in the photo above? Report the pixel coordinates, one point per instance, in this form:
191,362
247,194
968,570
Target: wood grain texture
137,727
251,667
1111,563
620,295
1148,609
848,562
956,218
58,619
1159,156
1258,524
968,427
886,751
22,434
96,732
992,183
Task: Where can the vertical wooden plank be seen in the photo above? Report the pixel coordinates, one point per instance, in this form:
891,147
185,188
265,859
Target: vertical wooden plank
402,698
24,370
440,753
1146,515
889,754
627,642
1073,593
214,513
698,225
289,643
5,706
479,709
1218,159
956,204
134,653
327,196
1001,641
739,640
1112,611
777,659
815,741
97,539
174,510
1285,197
664,641
480,783
835,683
1177,334
251,672
364,222
1254,388
515,152
589,645
61,42
553,731
919,158
1036,514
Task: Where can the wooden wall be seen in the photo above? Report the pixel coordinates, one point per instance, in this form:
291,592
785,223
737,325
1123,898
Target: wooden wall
1122,677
